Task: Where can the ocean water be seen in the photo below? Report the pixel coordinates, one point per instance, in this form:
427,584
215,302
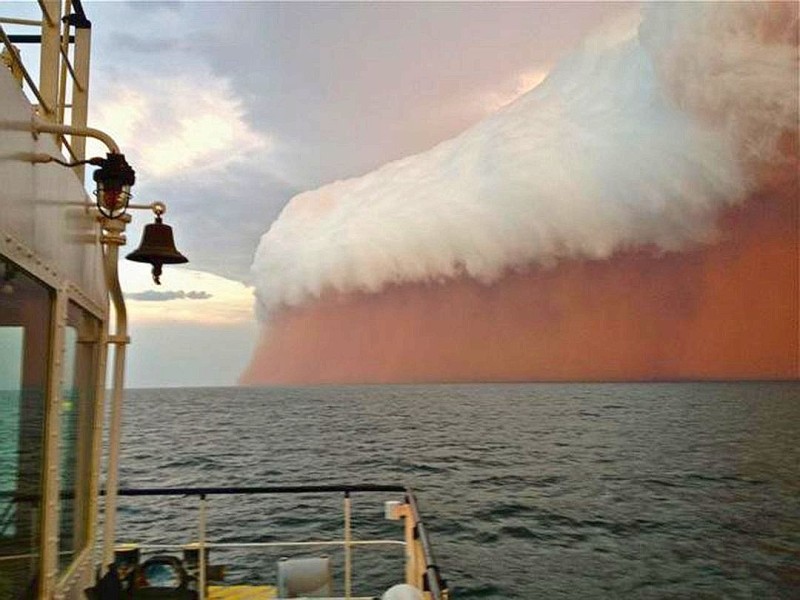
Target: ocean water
687,490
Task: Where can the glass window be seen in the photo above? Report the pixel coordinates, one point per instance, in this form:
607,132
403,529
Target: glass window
25,316
75,441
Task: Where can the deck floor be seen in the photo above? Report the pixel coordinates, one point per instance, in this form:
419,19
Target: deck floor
242,592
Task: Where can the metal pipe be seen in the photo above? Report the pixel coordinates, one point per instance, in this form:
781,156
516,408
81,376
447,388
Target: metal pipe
113,239
18,38
80,90
72,153
68,66
276,489
49,56
46,12
27,22
150,206
40,126
435,584
37,126
97,432
64,63
201,547
48,542
412,568
348,549
234,545
25,75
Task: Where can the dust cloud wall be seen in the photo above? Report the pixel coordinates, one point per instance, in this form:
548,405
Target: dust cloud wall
634,217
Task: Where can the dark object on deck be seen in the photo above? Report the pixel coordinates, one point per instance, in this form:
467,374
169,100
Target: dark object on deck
109,587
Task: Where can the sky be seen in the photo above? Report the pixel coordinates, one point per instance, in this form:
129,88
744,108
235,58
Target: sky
228,109
426,158
632,217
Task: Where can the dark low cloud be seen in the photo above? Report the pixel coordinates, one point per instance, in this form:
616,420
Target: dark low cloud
196,215
153,296
150,45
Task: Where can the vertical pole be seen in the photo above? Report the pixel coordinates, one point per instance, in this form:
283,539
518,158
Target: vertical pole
348,559
34,403
115,432
49,57
412,574
112,477
86,356
201,546
61,104
80,88
97,431
49,505
114,237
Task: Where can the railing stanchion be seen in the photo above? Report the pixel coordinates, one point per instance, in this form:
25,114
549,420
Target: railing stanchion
348,564
421,556
201,547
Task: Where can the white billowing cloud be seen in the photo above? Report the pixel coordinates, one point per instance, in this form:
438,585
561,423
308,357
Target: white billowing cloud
639,138
212,300
172,124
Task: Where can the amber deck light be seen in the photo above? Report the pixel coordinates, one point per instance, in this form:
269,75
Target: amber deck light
114,179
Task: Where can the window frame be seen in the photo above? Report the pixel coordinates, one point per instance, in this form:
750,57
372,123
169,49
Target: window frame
85,372
62,293
47,384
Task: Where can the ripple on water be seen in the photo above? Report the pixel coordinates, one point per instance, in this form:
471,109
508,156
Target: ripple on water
567,491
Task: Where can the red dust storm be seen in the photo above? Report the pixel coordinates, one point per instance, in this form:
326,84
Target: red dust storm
626,142
728,310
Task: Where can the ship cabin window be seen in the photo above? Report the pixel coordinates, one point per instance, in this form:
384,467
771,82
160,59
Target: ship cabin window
25,318
81,352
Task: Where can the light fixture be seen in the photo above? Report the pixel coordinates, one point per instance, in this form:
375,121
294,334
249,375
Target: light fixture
158,245
114,179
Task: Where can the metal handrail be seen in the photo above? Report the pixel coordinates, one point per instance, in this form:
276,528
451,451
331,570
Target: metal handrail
312,543
18,60
53,103
433,581
436,584
71,70
26,22
68,148
274,489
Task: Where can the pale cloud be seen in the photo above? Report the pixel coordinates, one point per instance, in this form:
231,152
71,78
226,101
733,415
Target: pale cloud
171,125
520,85
224,301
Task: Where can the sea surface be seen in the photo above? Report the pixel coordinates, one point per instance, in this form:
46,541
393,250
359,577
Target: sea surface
688,490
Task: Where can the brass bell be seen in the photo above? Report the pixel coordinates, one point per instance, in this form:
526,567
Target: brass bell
157,248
